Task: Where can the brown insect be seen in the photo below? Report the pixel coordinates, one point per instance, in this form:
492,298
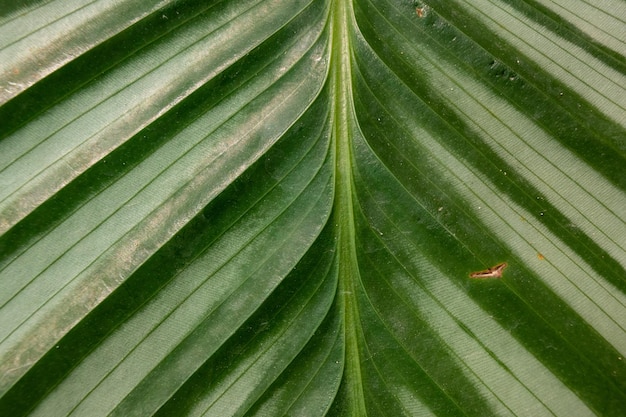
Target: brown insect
419,11
493,272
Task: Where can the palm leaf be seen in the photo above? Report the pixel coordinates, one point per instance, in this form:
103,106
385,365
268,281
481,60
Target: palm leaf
274,208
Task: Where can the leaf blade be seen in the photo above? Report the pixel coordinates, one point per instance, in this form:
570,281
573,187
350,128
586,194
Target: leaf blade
264,209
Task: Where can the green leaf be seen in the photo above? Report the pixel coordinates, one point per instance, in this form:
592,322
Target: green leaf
274,208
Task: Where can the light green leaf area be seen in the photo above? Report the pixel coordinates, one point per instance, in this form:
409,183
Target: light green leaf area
271,208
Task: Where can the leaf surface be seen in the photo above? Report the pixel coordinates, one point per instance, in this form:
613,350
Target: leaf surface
274,208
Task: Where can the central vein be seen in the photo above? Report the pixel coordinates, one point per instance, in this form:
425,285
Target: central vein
343,131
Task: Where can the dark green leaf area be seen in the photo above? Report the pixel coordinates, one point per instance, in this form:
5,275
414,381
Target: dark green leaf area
232,302
560,337
401,351
262,353
554,331
401,358
604,151
392,151
398,220
552,21
559,95
557,337
309,385
576,130
399,120
442,213
294,166
7,7
401,348
122,160
94,63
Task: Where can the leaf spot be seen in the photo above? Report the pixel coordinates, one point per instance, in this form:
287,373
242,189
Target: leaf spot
493,272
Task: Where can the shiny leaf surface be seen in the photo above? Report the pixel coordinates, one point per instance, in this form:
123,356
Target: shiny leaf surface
275,208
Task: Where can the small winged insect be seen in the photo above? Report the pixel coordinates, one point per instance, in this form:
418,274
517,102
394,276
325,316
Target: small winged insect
493,272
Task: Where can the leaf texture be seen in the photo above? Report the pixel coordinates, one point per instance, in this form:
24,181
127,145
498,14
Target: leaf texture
273,208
